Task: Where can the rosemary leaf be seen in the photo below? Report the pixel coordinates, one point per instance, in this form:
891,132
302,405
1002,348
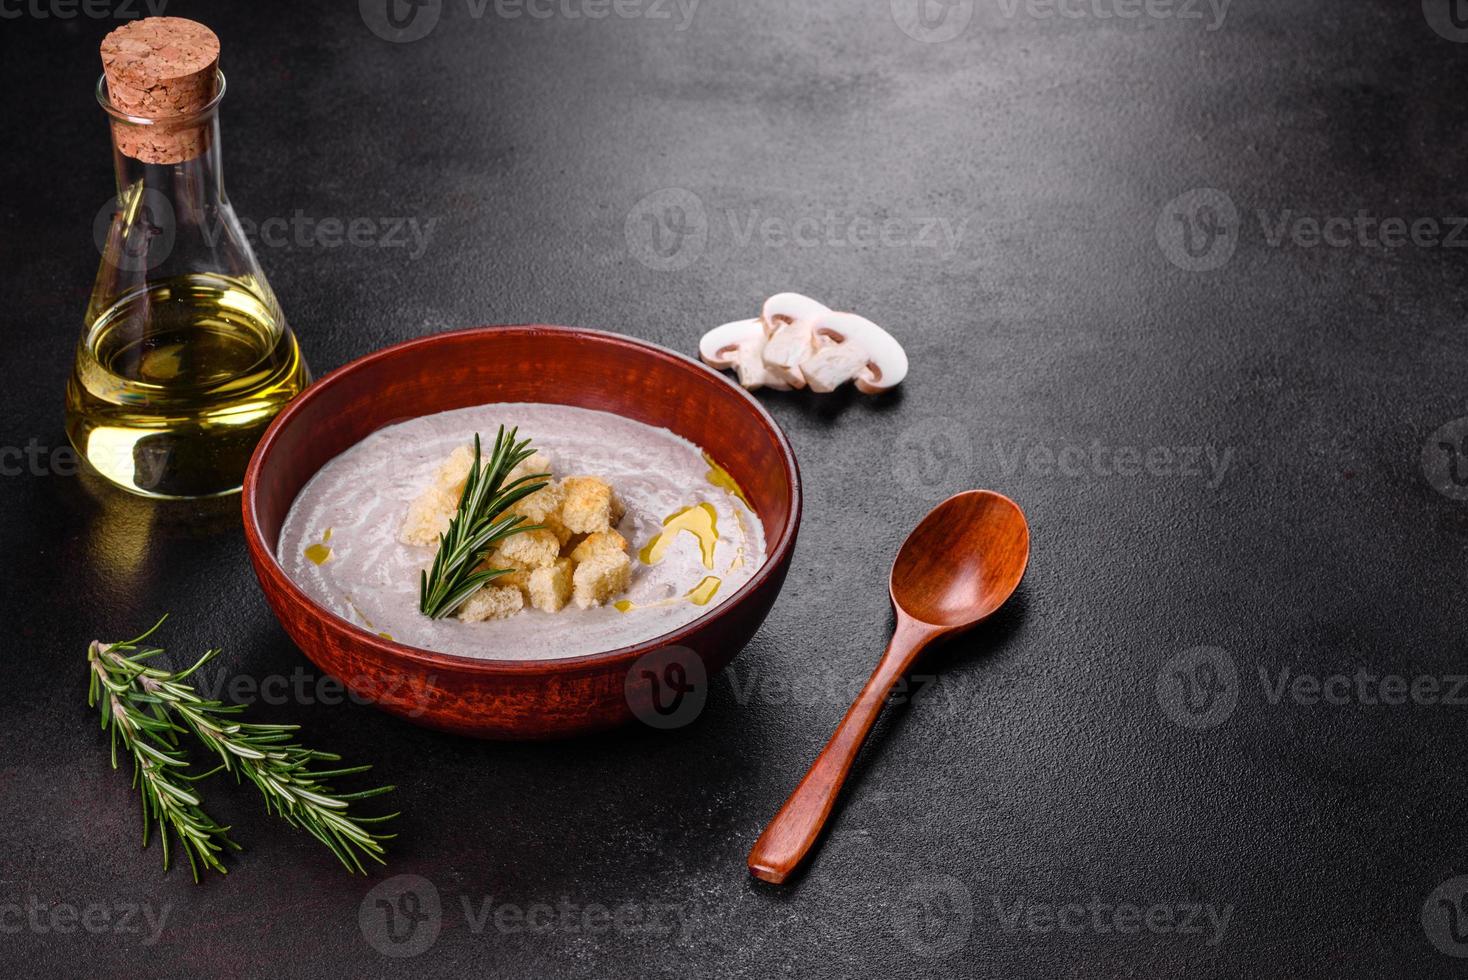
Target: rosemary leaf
147,709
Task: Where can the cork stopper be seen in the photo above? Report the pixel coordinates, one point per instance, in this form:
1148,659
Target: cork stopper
163,69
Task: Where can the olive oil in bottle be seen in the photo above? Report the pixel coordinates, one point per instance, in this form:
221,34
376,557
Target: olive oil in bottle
185,357
174,385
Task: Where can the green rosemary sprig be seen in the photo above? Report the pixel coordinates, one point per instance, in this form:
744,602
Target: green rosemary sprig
146,709
478,525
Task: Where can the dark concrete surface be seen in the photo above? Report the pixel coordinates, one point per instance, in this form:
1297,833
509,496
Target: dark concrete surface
1082,792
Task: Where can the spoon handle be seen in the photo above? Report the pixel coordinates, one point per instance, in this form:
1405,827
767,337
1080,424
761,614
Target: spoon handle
789,837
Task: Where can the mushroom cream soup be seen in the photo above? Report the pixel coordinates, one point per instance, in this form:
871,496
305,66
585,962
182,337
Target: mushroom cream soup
693,540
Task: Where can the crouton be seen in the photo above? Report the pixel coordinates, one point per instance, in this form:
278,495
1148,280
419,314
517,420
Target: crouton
428,517
550,587
527,549
454,472
515,578
543,507
589,505
492,602
595,544
552,523
543,503
600,577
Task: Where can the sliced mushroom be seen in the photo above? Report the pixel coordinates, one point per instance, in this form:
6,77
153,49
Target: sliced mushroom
719,348
797,341
886,364
740,345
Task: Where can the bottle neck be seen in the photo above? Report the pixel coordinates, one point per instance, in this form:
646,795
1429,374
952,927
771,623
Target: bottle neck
192,186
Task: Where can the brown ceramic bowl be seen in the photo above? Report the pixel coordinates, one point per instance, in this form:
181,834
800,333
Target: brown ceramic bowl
520,699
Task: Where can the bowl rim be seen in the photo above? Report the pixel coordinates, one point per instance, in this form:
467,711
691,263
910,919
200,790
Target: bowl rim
778,548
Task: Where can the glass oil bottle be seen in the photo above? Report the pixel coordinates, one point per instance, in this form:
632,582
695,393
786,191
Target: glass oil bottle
185,356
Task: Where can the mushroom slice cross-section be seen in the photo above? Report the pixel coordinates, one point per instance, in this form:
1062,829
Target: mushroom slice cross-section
886,361
740,345
719,348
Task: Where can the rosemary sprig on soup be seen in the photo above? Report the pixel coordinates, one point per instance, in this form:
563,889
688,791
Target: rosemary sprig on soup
479,523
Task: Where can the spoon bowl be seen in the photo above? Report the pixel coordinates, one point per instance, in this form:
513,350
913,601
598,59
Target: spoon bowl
961,563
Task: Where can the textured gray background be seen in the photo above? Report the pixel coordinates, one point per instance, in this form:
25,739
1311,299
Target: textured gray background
1047,767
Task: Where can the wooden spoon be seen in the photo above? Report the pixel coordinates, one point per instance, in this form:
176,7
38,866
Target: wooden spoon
954,571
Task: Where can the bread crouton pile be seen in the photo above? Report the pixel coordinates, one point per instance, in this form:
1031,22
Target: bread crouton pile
577,556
